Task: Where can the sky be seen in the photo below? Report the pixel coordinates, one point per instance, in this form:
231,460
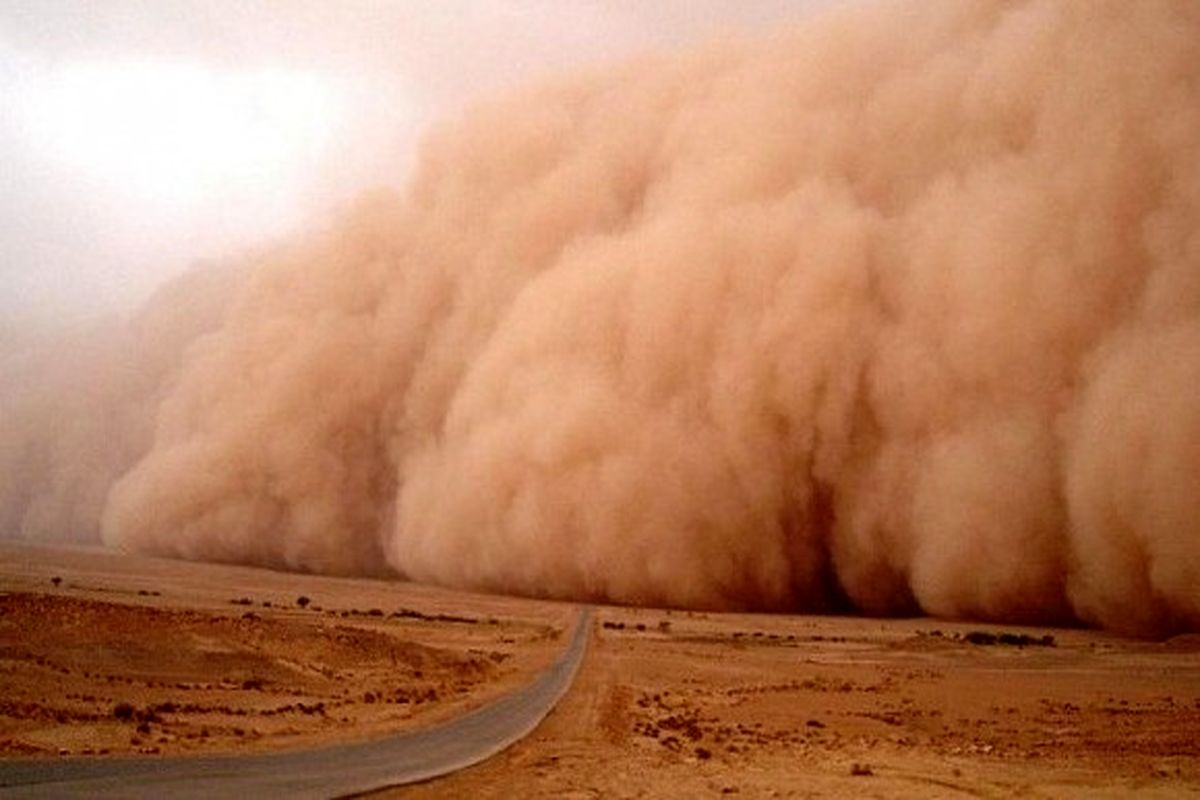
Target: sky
139,137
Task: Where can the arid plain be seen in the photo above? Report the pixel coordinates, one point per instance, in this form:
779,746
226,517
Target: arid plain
103,654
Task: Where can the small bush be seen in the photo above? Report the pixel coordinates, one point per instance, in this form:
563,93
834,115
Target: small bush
980,638
1010,639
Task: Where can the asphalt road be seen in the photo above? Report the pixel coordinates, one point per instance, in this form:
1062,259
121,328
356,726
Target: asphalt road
320,772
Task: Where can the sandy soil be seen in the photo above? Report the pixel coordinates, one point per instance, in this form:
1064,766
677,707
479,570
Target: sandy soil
101,654
125,655
686,705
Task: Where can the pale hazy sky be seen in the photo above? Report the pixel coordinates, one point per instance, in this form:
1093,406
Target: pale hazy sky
139,136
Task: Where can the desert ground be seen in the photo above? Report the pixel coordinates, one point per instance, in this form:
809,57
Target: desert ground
106,654
103,654
687,704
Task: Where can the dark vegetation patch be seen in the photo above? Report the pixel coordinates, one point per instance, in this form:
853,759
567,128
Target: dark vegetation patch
408,613
989,639
985,639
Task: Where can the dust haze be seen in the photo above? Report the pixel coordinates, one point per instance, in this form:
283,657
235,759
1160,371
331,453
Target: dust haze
897,309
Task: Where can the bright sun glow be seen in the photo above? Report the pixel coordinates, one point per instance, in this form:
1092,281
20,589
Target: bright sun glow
182,135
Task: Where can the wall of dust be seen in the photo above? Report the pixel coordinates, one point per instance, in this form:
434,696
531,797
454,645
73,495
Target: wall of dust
77,405
898,308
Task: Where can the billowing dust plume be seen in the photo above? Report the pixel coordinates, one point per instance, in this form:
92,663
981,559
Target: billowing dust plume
898,310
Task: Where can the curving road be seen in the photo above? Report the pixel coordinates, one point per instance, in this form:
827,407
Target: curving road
319,772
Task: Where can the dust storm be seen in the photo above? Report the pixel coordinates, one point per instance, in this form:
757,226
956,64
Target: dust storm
896,310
